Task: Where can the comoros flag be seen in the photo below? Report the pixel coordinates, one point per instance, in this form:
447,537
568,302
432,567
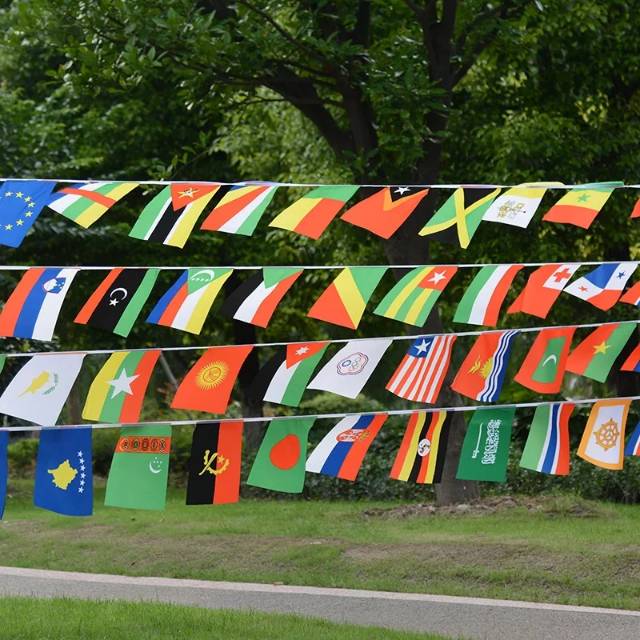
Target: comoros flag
341,452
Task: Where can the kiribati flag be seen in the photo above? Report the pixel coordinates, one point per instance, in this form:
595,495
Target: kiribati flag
633,446
341,452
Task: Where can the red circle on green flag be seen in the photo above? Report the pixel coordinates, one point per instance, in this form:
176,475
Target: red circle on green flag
286,453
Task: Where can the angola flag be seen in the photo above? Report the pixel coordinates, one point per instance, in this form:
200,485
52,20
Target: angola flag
464,211
215,463
413,297
602,442
140,468
544,366
117,392
310,215
384,211
280,461
343,302
423,449
87,202
595,355
208,384
256,299
116,304
240,209
582,204
170,217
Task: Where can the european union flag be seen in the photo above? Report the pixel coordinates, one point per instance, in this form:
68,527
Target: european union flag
4,470
21,202
64,478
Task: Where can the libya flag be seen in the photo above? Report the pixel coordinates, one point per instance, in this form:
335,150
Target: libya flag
140,468
485,450
280,462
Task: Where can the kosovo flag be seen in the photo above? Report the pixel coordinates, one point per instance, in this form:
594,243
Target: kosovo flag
21,202
64,478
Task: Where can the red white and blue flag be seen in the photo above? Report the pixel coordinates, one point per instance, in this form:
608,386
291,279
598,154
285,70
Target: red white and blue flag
603,286
633,446
341,452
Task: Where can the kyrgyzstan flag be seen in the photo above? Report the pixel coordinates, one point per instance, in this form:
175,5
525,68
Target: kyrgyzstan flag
208,385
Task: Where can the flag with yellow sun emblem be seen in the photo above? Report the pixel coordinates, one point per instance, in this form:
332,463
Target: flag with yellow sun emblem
602,442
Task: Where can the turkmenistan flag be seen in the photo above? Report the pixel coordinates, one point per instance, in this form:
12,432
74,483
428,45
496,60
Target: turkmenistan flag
284,378
279,464
87,202
595,355
117,392
310,215
413,297
140,468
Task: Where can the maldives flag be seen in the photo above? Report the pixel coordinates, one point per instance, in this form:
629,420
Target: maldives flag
602,286
582,204
208,384
384,210
595,355
542,289
544,365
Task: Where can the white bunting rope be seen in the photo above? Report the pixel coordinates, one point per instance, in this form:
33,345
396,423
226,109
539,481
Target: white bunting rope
94,352
320,416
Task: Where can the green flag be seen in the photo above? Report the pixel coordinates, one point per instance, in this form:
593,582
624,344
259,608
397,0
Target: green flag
485,450
140,468
279,464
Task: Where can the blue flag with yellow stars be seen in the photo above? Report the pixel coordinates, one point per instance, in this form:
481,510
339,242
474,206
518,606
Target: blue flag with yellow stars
4,469
64,478
21,202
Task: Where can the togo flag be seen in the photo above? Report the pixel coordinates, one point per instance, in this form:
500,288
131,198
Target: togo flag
582,204
603,286
341,452
518,205
140,468
602,442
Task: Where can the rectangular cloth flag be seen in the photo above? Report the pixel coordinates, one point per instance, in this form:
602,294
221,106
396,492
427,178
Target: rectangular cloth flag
208,384
311,215
542,289
4,470
632,448
421,372
464,211
602,442
414,295
349,369
482,372
279,463
87,202
485,450
240,209
384,211
117,392
547,446
116,304
21,202
595,355
283,379
582,204
632,295
518,205
343,302
140,468
603,286
215,463
39,390
341,452
483,298
186,304
255,300
632,363
543,367
64,472
170,217
423,449
33,307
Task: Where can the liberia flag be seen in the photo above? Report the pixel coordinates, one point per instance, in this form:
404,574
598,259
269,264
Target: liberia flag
603,286
421,372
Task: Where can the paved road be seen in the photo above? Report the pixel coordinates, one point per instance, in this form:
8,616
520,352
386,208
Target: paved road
469,618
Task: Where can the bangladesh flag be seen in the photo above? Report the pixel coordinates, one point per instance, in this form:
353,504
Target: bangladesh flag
140,468
280,462
485,450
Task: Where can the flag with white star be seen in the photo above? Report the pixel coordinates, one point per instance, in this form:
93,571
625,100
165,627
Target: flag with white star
64,476
21,202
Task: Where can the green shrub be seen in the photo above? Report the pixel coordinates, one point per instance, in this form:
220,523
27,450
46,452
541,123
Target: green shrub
22,456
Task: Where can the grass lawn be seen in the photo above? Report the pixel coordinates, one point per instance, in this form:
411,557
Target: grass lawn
549,552
29,619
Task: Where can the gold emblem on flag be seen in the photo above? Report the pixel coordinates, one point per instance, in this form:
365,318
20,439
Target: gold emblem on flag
212,374
483,369
607,435
222,463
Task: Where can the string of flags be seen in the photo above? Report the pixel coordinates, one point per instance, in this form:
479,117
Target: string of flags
172,214
32,309
139,470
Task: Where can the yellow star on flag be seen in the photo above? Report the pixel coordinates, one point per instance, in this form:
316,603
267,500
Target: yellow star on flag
601,348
